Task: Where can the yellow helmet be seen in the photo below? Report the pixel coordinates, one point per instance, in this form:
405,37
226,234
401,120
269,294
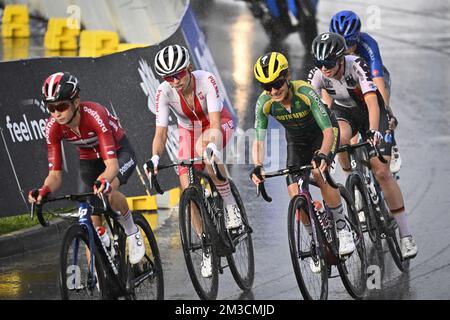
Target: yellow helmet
270,66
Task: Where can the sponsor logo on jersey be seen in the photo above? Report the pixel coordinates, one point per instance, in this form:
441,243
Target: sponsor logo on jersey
126,166
375,72
111,153
320,105
50,124
297,115
350,81
201,96
91,133
213,82
96,117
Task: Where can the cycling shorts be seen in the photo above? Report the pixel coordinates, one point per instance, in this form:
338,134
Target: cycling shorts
188,138
301,153
358,119
91,169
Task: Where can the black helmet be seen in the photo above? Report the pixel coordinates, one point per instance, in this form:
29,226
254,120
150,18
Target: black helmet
60,86
328,46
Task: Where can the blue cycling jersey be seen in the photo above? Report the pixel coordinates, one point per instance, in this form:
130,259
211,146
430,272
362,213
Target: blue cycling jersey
367,48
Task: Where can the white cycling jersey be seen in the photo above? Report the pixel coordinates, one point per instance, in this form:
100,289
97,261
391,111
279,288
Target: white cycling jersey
206,99
349,91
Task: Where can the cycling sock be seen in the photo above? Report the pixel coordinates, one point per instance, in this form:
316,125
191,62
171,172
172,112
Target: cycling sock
338,217
402,222
126,221
225,193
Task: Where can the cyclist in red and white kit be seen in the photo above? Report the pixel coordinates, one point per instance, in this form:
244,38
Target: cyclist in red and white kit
105,153
203,122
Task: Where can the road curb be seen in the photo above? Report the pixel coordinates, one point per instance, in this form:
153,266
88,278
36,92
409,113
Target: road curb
22,241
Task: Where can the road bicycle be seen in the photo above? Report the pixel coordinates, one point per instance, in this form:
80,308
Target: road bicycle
372,209
90,270
314,252
202,197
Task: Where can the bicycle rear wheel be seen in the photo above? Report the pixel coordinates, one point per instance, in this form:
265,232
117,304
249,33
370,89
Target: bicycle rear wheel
194,246
77,281
308,257
147,275
364,209
242,261
353,269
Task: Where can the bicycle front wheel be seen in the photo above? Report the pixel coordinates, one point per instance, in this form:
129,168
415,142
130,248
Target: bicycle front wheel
353,268
78,280
192,210
242,261
364,208
392,233
308,257
148,279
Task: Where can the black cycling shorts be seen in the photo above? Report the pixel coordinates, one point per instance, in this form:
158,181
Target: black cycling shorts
91,169
358,119
301,153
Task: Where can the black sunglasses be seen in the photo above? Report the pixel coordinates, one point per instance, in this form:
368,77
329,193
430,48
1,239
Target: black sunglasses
328,64
277,84
60,107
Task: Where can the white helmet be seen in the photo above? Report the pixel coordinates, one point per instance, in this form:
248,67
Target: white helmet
171,59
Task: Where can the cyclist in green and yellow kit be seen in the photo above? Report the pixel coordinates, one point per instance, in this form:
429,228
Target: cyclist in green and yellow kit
312,133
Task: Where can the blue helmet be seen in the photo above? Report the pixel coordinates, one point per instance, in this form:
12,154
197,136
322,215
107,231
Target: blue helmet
348,25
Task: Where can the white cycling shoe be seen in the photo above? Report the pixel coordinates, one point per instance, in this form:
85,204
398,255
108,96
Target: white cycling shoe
206,267
136,247
233,218
346,242
396,160
408,247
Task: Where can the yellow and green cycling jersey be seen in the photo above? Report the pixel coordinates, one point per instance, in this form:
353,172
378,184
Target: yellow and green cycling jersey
306,119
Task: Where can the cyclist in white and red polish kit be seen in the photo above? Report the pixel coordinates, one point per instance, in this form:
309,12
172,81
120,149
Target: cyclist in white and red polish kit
203,123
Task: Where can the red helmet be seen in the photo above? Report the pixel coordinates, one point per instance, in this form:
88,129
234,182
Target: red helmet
60,86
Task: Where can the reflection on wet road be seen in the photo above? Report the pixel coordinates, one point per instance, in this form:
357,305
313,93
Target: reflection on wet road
417,56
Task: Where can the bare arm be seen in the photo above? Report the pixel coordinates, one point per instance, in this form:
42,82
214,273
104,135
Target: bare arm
374,110
258,152
52,182
111,170
379,82
328,140
159,141
326,98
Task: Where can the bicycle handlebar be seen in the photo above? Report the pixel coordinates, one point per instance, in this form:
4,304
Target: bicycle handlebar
153,180
261,189
71,197
350,148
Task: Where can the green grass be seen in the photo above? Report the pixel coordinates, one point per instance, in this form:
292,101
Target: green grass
11,224
15,223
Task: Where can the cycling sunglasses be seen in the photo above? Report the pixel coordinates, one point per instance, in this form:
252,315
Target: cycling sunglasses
277,84
178,76
328,64
60,106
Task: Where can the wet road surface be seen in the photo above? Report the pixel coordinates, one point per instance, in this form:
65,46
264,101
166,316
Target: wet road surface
417,55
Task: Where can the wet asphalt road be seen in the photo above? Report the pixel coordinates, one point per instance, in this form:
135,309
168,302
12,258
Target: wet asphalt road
415,46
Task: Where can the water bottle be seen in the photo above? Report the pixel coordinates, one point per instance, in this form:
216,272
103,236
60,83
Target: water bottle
388,136
101,231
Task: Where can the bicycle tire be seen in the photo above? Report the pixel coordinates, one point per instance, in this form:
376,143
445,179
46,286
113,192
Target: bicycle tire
353,183
295,245
393,238
245,276
354,280
206,288
76,239
149,265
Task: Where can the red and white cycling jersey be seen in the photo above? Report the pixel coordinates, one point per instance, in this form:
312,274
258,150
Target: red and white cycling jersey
349,91
100,134
206,99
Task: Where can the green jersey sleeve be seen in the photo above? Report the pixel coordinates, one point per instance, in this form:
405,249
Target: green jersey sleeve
261,119
318,109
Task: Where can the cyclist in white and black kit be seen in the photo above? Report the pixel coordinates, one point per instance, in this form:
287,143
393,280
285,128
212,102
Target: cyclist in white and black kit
346,86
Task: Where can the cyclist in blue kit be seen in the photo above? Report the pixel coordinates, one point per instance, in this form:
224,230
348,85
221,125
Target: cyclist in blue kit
348,25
